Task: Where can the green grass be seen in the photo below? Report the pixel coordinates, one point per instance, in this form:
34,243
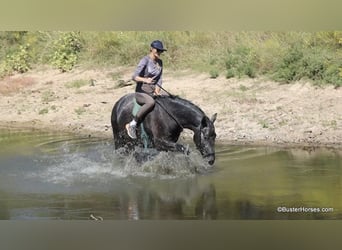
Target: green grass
281,56
43,111
80,110
77,83
48,96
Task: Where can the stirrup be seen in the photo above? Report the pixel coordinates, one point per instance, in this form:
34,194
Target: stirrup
131,131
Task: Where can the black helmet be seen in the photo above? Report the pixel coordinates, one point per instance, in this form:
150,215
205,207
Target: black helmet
158,45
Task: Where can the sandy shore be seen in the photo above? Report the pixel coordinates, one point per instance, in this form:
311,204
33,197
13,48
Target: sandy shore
250,111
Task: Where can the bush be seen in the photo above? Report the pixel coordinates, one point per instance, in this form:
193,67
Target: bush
283,56
17,61
333,75
241,61
289,66
66,50
214,73
314,63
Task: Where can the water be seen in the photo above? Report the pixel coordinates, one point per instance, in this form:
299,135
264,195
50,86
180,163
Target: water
63,177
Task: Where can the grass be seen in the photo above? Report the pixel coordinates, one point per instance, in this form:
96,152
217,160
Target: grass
115,75
80,110
43,111
263,124
330,124
243,88
280,56
48,96
78,83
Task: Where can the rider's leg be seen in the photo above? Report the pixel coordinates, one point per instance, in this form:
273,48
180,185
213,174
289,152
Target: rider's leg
147,103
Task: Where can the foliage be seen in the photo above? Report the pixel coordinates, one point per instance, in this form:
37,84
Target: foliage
9,38
66,50
17,61
316,64
281,56
288,68
241,61
214,73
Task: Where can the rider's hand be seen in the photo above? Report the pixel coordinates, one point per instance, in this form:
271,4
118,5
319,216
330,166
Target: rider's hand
149,80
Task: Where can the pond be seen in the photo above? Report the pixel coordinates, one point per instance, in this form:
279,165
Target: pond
64,177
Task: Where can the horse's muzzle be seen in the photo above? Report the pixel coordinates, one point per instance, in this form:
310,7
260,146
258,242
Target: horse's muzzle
210,158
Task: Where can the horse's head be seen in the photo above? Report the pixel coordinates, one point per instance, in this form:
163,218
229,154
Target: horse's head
204,138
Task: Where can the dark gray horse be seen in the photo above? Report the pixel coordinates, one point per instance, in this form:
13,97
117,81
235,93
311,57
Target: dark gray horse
164,124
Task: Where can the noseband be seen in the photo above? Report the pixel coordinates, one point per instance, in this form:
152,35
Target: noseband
200,147
208,155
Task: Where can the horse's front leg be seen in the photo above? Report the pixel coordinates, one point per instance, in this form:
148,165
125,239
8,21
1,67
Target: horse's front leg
166,145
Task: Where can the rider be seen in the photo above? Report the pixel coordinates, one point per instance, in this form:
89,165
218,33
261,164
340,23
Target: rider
148,76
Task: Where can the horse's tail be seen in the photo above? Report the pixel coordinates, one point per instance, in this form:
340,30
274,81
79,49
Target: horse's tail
115,123
119,117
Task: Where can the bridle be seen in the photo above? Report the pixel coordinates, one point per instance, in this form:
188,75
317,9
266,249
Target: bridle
178,123
200,148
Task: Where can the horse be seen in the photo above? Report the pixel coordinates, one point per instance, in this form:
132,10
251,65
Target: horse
164,124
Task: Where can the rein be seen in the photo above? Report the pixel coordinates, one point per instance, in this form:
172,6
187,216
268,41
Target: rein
167,112
180,125
167,92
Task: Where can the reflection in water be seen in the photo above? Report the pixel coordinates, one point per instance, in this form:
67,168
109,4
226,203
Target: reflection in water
206,205
133,210
49,176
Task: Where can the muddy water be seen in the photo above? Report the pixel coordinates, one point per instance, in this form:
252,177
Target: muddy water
60,176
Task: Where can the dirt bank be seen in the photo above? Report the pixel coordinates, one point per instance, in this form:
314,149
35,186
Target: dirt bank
250,111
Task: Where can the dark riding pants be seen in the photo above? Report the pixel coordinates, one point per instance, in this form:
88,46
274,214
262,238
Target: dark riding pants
147,104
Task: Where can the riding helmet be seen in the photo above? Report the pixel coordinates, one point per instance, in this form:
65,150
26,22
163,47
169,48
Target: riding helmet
158,45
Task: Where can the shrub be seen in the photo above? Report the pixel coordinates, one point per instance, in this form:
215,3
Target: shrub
285,56
288,68
315,63
19,61
16,61
241,61
214,73
66,50
333,75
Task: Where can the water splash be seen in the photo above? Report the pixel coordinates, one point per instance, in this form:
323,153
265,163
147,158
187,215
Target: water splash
142,162
69,164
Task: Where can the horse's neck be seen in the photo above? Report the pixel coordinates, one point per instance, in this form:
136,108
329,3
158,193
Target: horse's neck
191,115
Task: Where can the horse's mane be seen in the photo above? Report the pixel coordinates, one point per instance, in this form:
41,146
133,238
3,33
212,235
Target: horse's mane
180,100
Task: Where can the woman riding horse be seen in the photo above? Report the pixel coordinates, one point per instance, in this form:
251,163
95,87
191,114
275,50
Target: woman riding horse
148,76
164,124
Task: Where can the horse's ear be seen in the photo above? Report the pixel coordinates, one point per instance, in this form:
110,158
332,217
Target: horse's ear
213,118
204,122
